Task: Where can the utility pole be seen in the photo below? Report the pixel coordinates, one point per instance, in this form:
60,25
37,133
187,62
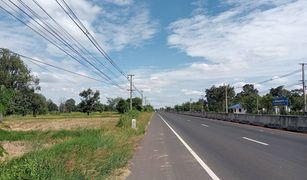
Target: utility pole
142,94
202,104
190,104
304,87
130,79
257,104
226,101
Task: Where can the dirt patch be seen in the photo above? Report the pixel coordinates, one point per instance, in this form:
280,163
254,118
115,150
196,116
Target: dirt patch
58,124
14,149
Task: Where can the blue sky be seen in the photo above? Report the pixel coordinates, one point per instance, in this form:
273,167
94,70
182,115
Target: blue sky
176,49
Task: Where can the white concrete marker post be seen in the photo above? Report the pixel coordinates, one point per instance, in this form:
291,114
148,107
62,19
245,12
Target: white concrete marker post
133,123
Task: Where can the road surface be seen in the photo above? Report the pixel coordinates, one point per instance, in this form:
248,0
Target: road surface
185,147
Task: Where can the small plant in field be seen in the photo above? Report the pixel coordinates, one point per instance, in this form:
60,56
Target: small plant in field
2,151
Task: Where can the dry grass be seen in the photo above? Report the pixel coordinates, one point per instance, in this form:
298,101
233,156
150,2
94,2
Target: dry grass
14,149
58,124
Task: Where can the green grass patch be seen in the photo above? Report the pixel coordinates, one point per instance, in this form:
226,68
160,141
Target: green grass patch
87,154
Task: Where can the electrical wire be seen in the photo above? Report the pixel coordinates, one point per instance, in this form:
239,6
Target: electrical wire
55,35
38,62
85,31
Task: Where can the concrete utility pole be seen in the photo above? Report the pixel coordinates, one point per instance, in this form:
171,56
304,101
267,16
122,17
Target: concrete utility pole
142,94
226,101
130,79
304,87
257,104
202,103
190,104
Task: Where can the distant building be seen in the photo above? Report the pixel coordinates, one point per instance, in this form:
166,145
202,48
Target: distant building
237,109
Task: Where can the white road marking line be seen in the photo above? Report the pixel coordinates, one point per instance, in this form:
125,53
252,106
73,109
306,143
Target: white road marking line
198,159
259,142
188,120
205,125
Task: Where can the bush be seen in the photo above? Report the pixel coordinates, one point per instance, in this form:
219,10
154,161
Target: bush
125,119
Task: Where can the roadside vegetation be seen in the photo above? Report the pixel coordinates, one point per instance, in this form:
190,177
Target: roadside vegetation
74,154
40,139
248,98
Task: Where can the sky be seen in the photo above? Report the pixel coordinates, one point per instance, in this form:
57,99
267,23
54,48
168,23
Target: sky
176,49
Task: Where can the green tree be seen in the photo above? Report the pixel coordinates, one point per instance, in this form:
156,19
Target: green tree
70,105
136,103
248,98
15,75
38,104
88,100
52,107
112,102
99,107
148,108
296,100
5,96
216,97
122,106
266,103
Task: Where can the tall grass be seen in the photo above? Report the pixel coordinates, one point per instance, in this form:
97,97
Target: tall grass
87,154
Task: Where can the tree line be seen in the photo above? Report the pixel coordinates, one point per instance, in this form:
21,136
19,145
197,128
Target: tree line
249,98
19,93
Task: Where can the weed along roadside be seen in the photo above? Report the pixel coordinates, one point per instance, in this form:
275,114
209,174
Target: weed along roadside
71,153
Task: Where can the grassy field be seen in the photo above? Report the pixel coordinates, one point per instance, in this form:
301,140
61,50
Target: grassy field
98,151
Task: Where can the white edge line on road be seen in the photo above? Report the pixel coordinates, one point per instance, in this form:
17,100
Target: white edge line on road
255,141
198,159
205,125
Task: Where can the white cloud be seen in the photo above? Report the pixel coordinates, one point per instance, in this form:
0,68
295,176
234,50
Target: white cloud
127,27
253,39
114,27
249,43
120,2
191,92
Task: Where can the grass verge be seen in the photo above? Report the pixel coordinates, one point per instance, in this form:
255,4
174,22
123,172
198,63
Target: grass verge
85,154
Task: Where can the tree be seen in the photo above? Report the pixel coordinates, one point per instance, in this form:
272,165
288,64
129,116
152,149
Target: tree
112,102
70,105
216,97
266,103
52,106
136,103
5,95
88,100
296,100
38,104
99,107
148,108
122,106
15,76
248,98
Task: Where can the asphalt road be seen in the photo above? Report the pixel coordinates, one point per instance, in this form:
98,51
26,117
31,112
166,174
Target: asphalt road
200,148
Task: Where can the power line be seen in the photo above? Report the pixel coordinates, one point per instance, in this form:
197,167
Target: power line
274,78
78,44
85,31
55,35
35,61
